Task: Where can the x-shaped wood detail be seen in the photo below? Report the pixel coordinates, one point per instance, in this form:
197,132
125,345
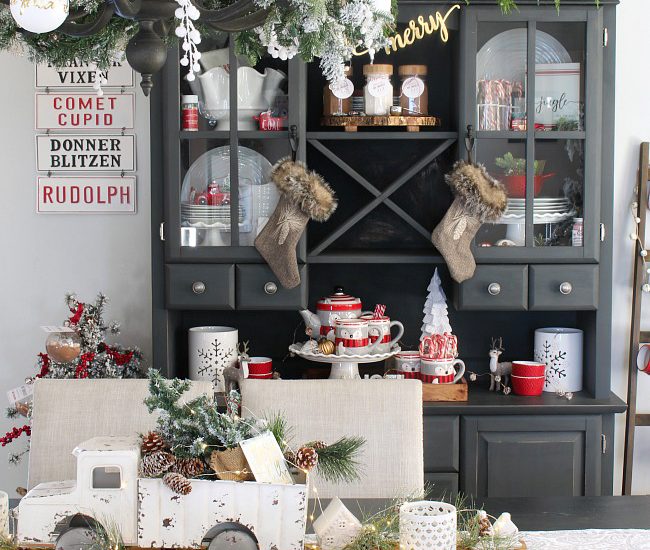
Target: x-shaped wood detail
381,197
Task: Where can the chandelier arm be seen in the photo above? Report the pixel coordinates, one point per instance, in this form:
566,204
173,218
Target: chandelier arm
127,9
238,9
78,30
245,23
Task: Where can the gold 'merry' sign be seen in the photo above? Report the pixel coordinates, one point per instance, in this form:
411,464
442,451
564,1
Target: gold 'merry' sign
417,30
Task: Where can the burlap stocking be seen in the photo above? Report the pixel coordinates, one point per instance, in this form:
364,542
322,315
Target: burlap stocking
479,199
453,239
303,196
277,241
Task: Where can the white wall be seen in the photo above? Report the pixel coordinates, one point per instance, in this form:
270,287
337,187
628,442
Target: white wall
632,127
43,256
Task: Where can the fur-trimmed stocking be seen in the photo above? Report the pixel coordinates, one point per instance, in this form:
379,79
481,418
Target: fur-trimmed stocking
479,198
304,195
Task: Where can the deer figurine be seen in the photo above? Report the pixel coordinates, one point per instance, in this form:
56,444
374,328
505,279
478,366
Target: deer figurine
499,371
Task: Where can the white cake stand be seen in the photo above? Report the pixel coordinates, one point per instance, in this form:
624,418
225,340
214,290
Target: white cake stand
343,366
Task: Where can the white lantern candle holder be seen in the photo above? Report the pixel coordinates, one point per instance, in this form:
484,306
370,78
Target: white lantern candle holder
211,350
427,525
560,349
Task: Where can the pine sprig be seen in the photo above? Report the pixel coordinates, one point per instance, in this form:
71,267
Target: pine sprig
338,462
278,426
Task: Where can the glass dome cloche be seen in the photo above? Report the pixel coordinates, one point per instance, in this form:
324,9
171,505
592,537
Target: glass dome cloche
206,198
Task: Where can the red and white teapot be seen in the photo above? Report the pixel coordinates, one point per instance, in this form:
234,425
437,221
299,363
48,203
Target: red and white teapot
338,305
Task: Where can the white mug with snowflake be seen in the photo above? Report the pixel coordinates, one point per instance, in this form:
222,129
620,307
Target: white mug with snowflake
211,350
560,349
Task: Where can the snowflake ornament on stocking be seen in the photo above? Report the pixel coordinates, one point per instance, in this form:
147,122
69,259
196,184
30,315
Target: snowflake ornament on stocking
187,13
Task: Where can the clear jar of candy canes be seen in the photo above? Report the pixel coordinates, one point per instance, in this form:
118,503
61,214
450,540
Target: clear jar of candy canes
378,91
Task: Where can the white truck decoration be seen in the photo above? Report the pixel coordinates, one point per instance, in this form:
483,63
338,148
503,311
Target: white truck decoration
148,514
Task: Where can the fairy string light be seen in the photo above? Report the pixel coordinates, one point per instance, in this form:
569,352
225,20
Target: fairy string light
643,252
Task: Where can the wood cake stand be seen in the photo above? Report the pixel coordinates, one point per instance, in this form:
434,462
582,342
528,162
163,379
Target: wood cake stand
352,123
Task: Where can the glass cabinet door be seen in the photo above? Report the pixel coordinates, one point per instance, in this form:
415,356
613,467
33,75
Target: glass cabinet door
536,133
219,190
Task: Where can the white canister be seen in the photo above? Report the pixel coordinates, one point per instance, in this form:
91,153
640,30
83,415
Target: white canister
560,349
4,514
427,524
212,349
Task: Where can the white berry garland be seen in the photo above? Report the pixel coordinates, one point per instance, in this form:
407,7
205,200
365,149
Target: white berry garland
186,14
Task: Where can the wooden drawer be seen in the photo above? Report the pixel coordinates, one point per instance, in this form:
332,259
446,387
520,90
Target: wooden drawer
200,286
495,287
441,485
441,448
559,287
258,288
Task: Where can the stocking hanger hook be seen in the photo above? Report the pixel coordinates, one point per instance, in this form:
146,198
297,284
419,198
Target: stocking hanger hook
293,141
469,143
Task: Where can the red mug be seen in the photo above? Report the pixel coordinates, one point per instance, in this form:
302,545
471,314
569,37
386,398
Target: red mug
528,369
260,367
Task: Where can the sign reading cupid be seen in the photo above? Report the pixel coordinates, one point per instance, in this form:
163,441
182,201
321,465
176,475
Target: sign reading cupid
417,30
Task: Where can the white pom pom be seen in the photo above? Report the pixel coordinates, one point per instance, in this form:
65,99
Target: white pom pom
193,13
197,55
181,32
632,236
643,253
179,13
196,67
195,36
190,77
186,46
100,92
283,55
184,62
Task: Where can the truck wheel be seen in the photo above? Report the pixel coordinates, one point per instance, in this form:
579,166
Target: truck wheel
232,535
77,538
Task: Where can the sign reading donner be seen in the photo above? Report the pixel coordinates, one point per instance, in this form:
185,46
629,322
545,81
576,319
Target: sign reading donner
85,153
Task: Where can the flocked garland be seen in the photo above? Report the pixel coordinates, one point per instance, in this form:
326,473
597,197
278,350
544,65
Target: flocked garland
326,29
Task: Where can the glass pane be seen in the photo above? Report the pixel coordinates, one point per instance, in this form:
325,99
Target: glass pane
559,76
501,76
559,192
107,477
505,159
207,188
261,89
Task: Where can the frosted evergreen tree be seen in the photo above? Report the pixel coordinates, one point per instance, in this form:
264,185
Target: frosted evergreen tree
436,318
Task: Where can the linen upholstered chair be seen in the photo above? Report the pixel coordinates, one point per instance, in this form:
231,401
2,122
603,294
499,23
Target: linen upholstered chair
388,413
67,412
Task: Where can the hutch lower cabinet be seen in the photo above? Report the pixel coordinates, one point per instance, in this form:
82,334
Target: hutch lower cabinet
546,133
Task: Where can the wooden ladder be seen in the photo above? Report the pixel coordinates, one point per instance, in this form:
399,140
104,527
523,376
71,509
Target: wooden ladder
636,336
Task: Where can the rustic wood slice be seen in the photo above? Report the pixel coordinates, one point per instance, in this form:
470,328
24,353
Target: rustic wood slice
445,392
352,123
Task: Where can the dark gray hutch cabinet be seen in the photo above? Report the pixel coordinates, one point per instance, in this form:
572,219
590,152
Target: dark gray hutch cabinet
392,194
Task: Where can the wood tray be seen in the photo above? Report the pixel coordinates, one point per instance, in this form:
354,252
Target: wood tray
445,392
352,123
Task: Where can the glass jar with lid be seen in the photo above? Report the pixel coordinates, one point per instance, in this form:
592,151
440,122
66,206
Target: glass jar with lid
414,92
378,91
337,96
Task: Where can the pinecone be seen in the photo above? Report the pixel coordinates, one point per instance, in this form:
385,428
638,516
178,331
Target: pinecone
318,445
177,483
152,442
484,525
156,464
306,458
188,467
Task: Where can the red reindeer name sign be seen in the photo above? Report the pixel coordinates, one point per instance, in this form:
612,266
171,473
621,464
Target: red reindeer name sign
70,111
90,194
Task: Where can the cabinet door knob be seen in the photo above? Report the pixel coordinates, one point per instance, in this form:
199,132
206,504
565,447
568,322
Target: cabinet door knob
270,288
198,287
494,289
566,288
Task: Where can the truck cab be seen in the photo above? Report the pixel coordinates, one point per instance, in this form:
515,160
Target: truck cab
105,491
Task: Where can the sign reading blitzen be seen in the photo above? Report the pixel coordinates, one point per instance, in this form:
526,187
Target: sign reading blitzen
85,153
92,194
69,111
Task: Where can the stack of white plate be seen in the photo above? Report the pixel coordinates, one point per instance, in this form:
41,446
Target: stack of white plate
205,215
546,210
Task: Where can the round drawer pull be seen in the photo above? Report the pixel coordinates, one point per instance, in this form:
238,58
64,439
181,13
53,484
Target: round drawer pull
198,287
566,288
270,288
494,289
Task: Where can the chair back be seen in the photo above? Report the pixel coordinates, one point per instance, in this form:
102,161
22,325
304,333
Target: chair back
387,413
67,412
